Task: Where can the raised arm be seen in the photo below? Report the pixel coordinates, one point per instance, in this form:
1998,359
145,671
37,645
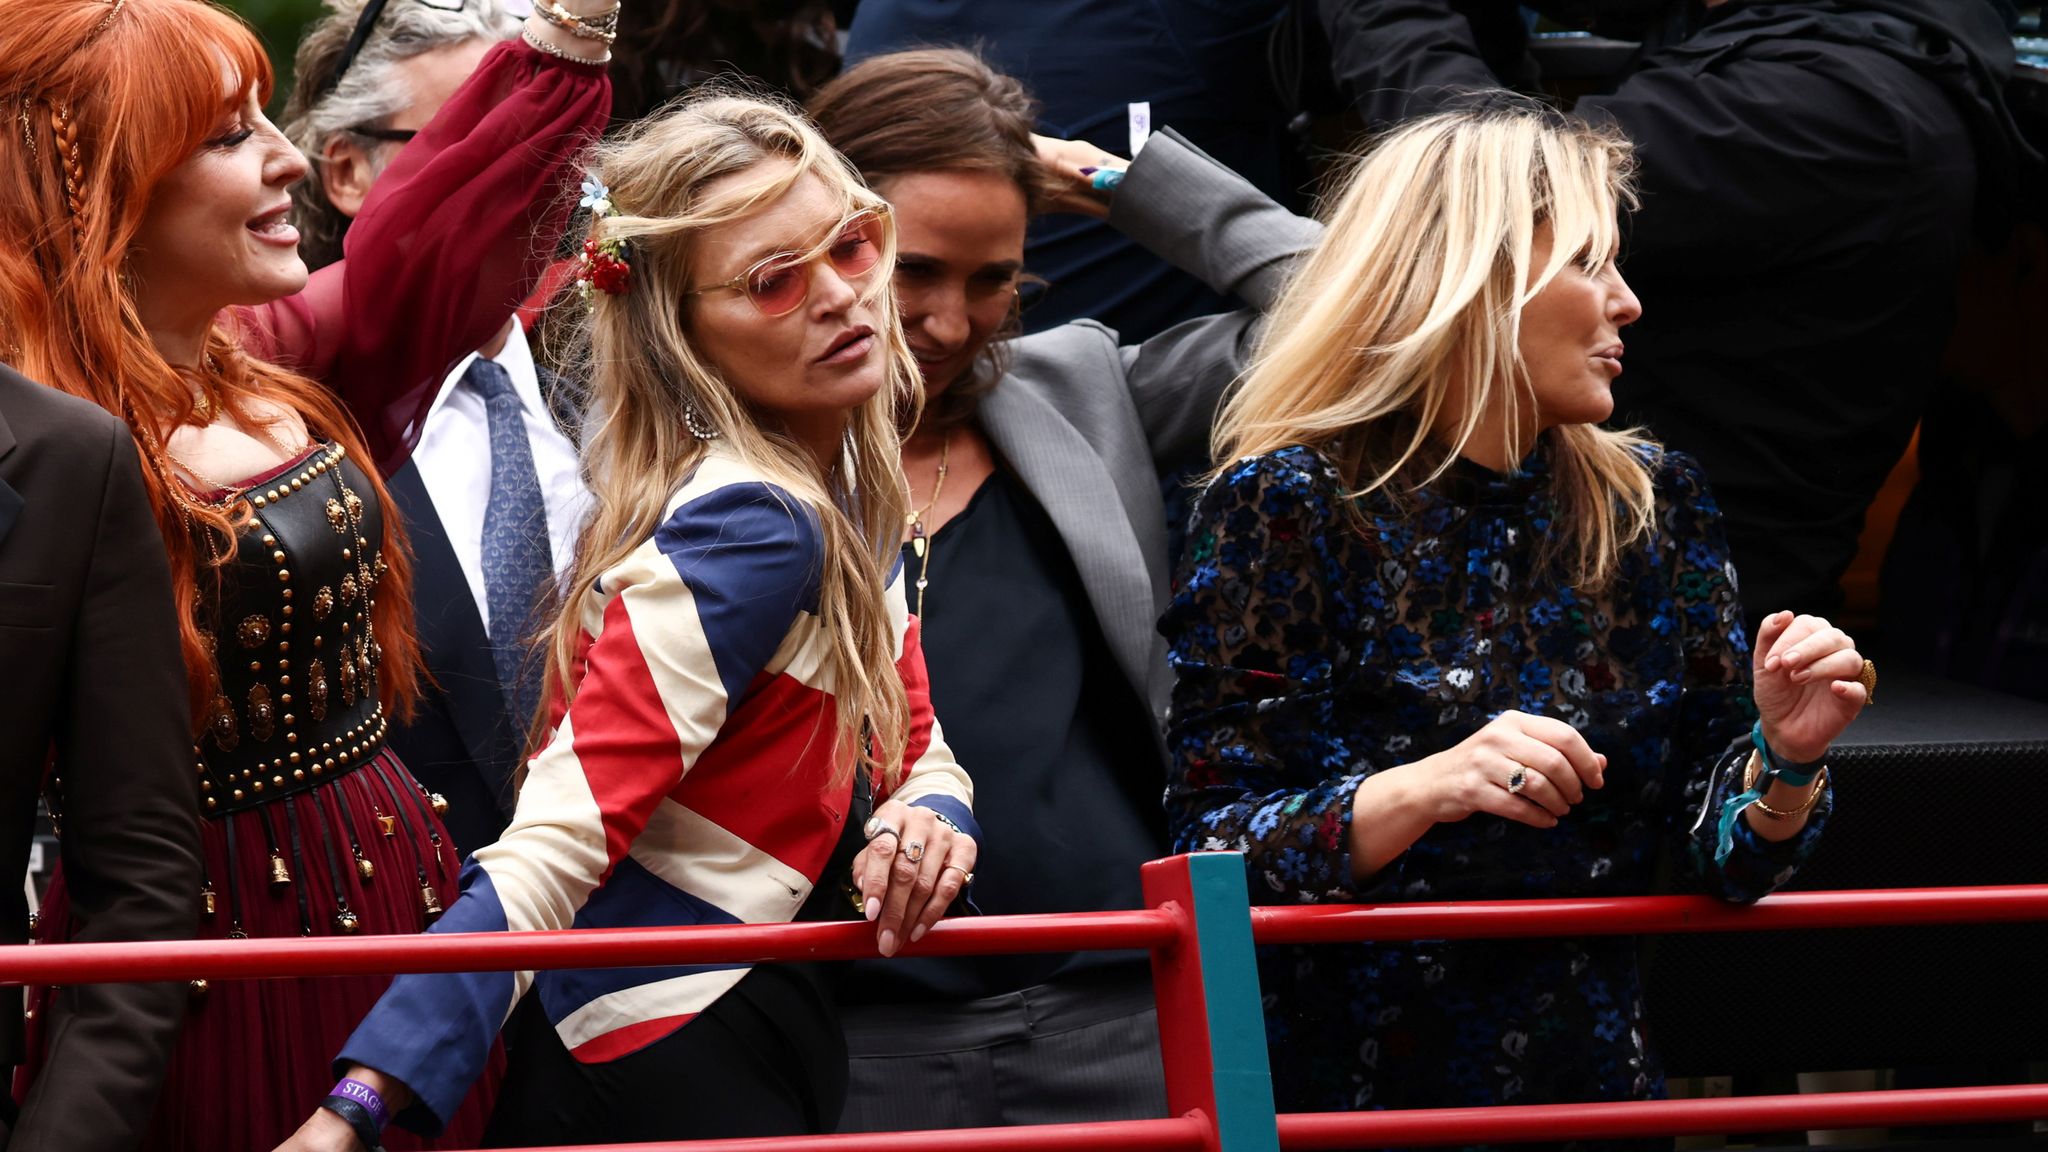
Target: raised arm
1186,207
455,234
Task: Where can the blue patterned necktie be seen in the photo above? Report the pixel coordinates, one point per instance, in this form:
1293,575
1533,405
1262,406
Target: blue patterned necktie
518,562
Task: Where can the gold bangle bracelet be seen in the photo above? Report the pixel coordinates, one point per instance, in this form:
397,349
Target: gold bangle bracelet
1820,786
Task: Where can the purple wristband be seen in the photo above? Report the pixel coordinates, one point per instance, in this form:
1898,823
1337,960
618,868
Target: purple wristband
365,1095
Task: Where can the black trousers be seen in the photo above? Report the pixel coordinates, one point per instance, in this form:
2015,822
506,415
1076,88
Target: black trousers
766,1059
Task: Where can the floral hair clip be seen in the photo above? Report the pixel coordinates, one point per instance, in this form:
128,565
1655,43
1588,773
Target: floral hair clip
604,264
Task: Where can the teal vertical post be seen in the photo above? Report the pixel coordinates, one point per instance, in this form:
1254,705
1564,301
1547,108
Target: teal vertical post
1212,1032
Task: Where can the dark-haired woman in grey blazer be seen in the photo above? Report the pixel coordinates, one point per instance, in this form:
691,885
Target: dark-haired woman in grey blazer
1037,561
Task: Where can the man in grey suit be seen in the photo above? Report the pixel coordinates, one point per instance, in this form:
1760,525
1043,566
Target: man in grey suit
89,639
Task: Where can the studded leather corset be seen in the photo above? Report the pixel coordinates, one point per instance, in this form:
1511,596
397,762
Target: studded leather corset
298,655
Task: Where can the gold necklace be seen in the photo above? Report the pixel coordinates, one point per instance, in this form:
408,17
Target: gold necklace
232,492
920,540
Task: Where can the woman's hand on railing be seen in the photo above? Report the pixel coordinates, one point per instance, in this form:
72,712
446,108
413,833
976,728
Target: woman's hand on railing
913,868
1806,684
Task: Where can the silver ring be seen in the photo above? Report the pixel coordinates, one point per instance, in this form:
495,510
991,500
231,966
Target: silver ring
1518,779
913,851
876,826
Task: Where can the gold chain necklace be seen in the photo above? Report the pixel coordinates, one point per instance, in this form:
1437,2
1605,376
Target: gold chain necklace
232,492
920,540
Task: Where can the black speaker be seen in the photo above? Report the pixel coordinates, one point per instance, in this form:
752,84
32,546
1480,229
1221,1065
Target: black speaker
1937,785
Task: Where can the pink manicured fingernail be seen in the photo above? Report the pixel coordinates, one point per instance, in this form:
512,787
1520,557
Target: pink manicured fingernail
887,942
874,908
917,934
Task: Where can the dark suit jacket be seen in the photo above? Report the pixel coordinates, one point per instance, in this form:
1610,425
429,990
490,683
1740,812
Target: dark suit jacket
461,742
89,644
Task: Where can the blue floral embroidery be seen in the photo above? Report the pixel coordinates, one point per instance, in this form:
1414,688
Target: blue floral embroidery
1316,642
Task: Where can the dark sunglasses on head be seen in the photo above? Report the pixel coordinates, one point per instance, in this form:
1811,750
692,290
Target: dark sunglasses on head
365,25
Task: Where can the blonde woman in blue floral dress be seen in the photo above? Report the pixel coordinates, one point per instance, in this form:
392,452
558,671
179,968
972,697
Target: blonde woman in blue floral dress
1441,637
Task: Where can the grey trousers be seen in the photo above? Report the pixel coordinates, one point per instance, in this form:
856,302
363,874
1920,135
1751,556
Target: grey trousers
1053,1053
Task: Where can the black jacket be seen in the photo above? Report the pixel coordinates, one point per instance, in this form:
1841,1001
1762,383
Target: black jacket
93,675
1811,171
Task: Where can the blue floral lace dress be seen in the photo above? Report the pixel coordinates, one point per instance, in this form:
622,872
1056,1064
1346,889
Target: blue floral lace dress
1310,655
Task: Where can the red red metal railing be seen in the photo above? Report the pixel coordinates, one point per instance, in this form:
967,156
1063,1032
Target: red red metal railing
1200,931
1645,915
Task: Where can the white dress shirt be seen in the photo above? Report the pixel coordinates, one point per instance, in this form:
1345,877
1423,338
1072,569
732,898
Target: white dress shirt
454,460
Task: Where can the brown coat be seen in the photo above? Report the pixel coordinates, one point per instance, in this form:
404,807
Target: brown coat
90,670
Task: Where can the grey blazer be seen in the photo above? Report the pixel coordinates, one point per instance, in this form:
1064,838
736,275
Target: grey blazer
1087,422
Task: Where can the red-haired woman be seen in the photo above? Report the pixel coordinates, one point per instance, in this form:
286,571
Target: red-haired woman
145,260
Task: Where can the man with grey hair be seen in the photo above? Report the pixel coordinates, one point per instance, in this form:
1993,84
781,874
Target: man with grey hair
489,543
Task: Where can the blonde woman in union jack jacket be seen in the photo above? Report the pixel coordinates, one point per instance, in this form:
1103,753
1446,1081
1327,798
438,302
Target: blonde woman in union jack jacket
733,679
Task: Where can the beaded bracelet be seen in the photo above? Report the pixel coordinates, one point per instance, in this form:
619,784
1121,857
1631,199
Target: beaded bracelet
603,26
540,45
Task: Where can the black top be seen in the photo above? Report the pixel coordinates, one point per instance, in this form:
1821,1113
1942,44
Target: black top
295,606
1066,774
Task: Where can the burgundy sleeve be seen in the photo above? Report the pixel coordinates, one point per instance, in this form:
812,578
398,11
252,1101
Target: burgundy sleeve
453,237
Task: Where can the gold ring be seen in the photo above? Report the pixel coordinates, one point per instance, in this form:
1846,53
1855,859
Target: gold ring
966,877
1868,678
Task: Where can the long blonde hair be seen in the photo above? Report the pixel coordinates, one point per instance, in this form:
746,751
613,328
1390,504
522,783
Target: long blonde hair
1413,301
644,373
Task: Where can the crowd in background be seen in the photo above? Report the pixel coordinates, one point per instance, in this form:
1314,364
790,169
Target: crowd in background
666,463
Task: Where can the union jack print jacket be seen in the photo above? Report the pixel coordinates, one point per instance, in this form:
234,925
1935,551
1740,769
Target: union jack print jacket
685,784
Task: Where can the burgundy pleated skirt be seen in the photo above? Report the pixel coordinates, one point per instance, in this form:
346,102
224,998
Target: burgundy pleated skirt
256,1056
